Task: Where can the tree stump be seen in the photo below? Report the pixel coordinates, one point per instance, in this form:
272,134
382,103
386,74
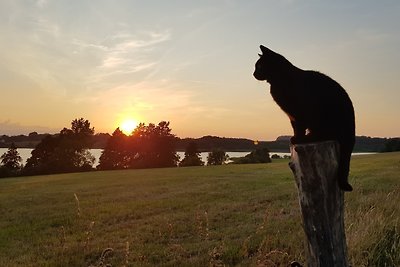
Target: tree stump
314,166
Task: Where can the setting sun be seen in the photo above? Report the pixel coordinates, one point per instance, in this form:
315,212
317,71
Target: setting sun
127,126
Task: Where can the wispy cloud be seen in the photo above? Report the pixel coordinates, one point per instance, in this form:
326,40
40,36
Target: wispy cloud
123,54
42,26
125,48
41,3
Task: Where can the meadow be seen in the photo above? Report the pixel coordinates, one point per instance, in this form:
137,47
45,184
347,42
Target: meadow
231,215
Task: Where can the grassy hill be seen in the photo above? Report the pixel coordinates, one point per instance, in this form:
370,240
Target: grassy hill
245,215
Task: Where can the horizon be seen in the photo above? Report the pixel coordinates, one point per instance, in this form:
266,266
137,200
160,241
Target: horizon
198,137
190,63
30,129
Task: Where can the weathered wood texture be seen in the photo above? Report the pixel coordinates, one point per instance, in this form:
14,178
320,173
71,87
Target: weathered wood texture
315,166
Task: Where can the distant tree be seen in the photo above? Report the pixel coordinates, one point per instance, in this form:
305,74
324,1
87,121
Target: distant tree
66,152
217,157
260,155
192,156
79,137
83,132
10,162
153,146
73,148
116,154
42,158
391,145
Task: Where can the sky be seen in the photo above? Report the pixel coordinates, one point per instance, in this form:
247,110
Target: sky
190,63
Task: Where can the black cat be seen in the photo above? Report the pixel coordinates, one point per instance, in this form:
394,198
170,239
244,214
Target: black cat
318,107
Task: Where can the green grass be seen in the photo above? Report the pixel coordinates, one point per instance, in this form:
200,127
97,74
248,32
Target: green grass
234,215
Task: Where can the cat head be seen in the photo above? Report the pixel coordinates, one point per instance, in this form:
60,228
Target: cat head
269,65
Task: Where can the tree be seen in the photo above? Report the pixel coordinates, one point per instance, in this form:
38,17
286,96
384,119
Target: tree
10,162
217,157
391,145
153,146
42,160
260,155
192,156
76,142
65,152
82,131
116,154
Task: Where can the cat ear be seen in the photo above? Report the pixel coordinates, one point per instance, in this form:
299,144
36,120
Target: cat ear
264,49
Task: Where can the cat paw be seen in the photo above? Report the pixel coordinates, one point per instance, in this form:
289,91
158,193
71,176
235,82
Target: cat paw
346,187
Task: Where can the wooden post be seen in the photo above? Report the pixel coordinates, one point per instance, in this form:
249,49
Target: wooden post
314,166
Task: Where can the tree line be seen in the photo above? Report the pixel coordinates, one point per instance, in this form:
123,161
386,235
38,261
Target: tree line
207,143
148,146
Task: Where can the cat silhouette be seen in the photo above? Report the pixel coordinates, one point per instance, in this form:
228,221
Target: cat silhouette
318,107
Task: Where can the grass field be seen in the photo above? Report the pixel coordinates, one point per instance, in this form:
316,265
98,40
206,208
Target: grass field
232,215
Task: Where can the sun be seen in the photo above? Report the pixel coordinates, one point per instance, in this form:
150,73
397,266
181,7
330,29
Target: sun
128,125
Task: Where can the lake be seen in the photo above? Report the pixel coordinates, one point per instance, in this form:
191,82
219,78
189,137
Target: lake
25,153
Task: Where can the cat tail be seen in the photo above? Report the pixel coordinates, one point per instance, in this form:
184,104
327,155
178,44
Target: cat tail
344,166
